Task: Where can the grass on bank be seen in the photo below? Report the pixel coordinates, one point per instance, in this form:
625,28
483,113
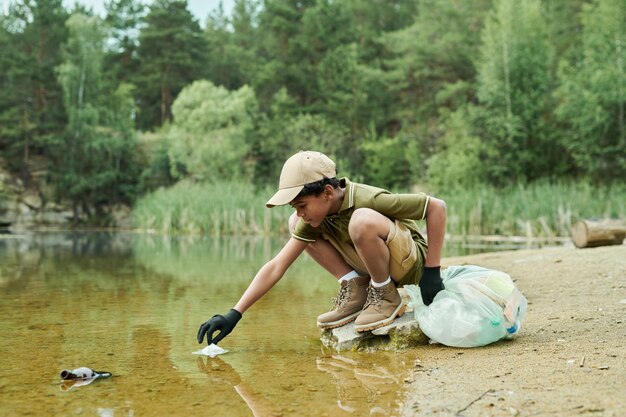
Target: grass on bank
210,209
540,210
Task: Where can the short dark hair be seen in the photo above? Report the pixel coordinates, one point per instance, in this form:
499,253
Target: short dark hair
316,188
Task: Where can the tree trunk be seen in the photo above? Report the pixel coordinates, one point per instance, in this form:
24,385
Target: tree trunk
26,159
589,234
166,112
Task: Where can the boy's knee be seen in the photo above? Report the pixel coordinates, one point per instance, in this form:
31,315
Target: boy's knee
363,220
293,221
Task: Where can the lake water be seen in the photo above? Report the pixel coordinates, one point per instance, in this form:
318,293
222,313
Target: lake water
131,305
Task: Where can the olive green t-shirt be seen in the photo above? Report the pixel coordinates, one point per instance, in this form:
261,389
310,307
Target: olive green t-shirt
405,208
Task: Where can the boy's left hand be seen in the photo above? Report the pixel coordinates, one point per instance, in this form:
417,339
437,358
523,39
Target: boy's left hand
430,283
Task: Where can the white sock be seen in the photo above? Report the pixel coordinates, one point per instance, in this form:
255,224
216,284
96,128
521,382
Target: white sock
350,275
381,284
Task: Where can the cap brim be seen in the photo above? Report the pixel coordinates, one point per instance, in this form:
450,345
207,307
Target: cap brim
284,196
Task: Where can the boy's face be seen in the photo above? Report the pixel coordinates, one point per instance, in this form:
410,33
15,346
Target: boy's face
312,209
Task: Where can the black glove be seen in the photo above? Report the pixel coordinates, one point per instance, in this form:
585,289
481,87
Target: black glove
431,283
225,323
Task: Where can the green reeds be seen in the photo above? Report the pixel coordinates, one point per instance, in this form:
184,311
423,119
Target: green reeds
541,210
209,209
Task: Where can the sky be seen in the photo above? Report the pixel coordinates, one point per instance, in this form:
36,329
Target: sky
200,8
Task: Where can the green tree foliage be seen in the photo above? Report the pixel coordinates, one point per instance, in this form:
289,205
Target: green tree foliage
284,131
17,122
460,157
563,25
592,94
398,91
369,21
172,54
123,20
95,158
514,87
31,102
351,92
208,138
222,54
295,36
282,56
432,73
388,162
433,58
232,44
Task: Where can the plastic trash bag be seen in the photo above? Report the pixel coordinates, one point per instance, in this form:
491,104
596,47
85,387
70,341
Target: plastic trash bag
479,306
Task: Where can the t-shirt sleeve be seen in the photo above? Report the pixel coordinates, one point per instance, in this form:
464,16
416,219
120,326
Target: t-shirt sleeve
402,206
306,232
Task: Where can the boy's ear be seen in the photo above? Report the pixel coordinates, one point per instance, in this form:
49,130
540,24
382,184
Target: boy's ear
328,191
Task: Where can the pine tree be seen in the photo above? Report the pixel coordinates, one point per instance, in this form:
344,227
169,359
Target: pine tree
283,60
232,45
31,108
123,20
172,54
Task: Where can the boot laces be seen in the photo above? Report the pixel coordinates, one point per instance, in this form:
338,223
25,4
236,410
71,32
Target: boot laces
374,296
342,296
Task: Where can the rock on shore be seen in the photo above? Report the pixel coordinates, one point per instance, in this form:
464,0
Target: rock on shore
403,333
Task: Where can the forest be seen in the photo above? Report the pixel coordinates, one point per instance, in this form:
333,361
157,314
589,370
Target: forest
440,95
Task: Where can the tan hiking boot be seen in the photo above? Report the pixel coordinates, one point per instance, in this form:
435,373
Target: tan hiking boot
383,305
348,304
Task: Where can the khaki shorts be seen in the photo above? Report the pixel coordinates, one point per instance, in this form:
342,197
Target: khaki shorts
405,265
406,260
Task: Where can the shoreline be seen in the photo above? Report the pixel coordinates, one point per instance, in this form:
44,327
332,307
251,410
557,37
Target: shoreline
572,342
451,238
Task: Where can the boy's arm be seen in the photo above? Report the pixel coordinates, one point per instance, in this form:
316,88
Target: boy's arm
270,273
264,280
430,282
435,230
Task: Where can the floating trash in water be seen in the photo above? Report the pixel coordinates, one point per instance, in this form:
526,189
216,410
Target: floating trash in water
80,377
212,351
83,373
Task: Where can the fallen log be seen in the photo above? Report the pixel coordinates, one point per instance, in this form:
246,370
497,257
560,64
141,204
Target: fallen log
590,233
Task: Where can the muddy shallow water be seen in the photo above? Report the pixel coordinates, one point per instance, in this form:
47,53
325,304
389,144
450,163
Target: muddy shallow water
131,305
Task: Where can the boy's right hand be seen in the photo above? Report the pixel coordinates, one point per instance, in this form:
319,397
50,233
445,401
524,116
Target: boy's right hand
225,323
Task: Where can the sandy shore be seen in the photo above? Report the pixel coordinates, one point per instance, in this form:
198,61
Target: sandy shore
570,358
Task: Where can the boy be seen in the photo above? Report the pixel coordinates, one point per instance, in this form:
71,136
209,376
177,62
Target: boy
364,236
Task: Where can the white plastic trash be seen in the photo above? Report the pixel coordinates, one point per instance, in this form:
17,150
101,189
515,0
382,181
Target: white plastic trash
212,351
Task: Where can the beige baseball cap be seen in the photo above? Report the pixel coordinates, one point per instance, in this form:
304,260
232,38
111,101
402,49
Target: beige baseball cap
300,169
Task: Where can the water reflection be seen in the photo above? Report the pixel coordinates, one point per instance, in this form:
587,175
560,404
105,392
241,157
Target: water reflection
359,385
67,385
362,386
220,372
131,305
